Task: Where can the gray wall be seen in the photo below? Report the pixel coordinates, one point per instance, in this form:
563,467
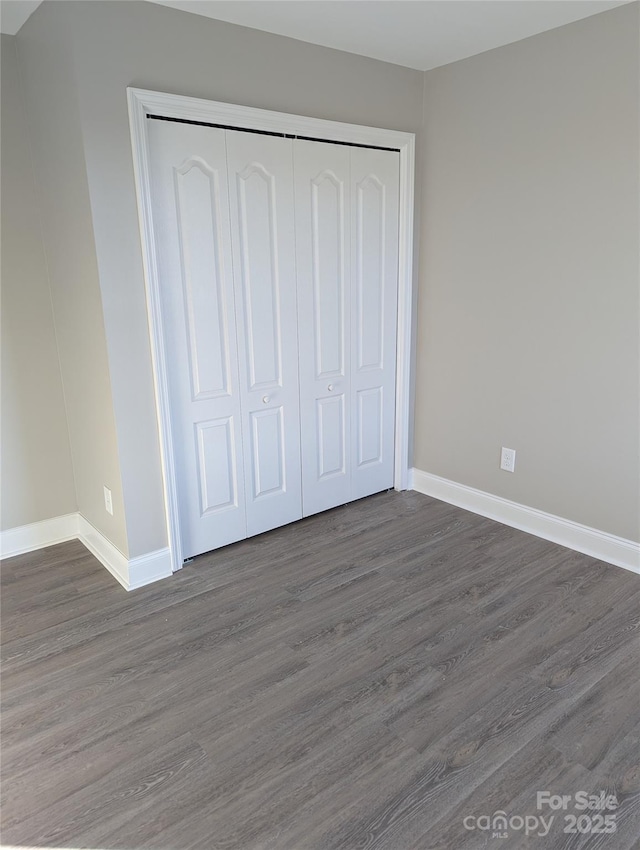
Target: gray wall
528,293
37,478
46,63
528,323
150,46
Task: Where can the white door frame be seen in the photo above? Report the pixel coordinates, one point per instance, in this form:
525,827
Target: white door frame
143,103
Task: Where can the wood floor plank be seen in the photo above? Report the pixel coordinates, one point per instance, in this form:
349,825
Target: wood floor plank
109,798
511,790
618,772
601,718
460,762
362,678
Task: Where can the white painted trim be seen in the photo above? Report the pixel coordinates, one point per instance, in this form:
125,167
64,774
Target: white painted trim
573,535
108,554
131,573
149,568
142,103
140,149
405,306
37,535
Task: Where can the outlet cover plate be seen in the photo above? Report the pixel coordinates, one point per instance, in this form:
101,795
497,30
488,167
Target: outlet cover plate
508,460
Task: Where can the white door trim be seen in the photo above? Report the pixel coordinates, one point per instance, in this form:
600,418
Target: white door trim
143,103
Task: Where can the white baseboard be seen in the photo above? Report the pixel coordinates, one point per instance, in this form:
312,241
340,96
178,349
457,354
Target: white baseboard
37,535
130,572
108,554
573,535
149,568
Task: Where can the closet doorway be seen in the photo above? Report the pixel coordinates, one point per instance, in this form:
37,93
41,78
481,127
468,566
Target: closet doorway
278,276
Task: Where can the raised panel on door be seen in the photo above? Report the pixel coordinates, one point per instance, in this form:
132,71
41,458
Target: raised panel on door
374,257
323,272
191,221
260,173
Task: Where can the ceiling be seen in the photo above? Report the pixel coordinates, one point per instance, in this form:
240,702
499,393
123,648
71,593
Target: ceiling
13,13
421,34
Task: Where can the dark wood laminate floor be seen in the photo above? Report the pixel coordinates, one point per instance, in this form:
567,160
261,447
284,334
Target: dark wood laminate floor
367,678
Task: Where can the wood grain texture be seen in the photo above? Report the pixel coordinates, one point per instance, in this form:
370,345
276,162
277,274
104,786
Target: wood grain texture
365,678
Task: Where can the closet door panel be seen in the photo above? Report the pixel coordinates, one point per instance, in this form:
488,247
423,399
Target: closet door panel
323,270
259,274
374,256
260,173
191,221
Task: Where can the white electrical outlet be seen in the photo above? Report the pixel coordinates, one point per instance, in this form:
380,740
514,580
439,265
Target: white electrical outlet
108,503
508,460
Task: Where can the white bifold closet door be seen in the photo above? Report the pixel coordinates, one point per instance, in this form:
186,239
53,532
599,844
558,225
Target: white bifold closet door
193,242
224,222
263,239
277,267
347,261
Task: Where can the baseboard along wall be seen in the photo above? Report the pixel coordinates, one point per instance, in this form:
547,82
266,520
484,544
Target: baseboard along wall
573,535
130,572
137,572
